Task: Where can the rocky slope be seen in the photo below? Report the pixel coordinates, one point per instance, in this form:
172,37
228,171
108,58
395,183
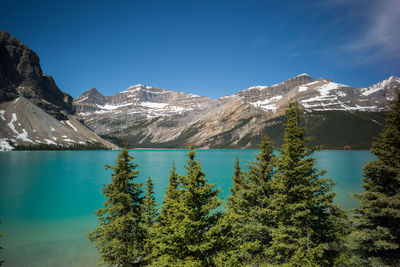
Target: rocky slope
33,110
152,117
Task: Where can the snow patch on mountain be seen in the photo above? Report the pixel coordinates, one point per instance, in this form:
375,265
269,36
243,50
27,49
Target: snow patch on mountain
49,142
326,88
72,126
257,87
268,104
303,74
154,105
11,123
109,107
2,112
24,136
303,88
4,145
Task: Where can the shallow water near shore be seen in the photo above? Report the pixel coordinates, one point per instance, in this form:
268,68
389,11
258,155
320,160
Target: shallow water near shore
47,198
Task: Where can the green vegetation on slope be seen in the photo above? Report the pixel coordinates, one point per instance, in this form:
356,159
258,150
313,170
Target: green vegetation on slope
86,146
333,129
330,129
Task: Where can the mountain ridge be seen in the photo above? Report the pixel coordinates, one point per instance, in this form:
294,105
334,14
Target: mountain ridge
153,116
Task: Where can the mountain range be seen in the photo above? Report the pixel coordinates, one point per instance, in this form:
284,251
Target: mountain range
33,110
148,116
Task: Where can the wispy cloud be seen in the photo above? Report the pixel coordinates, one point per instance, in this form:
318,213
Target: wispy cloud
374,28
380,39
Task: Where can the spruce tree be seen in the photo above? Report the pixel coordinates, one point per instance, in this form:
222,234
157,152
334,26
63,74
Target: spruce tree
248,207
377,232
192,229
149,218
307,221
120,234
237,177
167,244
149,204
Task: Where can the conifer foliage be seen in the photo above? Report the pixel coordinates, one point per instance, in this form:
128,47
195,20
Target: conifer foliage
167,243
149,218
377,232
188,221
149,205
120,234
301,203
248,206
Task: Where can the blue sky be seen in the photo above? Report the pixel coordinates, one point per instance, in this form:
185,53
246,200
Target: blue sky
210,48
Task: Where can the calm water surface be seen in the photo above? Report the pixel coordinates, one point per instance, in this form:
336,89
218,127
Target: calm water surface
47,198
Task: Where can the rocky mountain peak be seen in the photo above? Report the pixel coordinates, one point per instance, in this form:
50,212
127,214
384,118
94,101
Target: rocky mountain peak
21,75
266,95
383,91
303,74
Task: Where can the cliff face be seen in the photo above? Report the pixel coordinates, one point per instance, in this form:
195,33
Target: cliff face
21,74
33,110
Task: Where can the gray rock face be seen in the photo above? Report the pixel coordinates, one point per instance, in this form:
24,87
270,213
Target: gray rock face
260,93
21,74
22,122
153,117
33,110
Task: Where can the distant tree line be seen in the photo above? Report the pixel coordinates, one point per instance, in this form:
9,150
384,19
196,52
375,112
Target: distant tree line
280,212
85,146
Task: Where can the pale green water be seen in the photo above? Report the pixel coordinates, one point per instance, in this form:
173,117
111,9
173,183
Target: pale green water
47,198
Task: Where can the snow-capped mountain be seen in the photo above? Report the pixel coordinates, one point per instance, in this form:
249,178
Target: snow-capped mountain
321,95
150,116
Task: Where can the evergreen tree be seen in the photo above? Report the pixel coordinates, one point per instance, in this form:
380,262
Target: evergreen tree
248,209
237,177
120,234
149,205
167,244
192,229
306,220
149,218
378,226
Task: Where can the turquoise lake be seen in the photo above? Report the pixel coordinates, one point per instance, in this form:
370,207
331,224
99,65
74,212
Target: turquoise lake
47,198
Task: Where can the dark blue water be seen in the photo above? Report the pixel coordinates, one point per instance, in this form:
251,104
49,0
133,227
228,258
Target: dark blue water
47,198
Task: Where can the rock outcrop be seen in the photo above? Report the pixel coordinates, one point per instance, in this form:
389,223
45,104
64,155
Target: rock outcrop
21,75
33,110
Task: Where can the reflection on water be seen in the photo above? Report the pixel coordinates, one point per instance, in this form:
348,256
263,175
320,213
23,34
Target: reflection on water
47,198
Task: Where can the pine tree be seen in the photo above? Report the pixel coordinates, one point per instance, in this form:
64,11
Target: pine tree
306,220
248,207
120,234
191,237
378,226
149,218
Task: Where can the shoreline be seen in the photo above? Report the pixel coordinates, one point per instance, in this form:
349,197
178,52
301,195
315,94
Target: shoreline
161,148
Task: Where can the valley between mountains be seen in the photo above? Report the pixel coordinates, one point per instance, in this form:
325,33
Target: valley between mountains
33,110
